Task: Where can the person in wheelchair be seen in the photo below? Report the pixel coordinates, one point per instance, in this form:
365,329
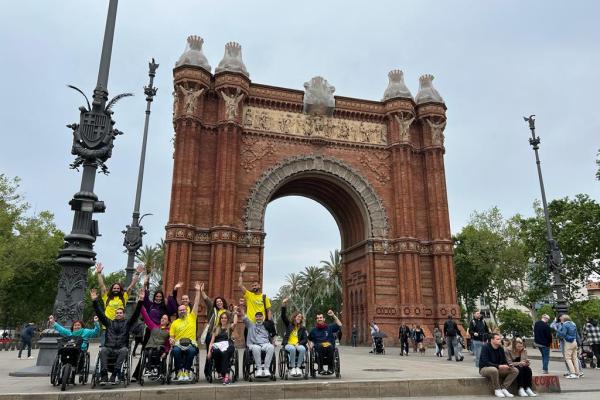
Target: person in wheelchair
221,346
77,330
158,345
322,337
116,342
183,339
259,339
295,339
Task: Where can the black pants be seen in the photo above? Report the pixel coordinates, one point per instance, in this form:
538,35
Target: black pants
325,355
222,359
525,377
107,352
353,340
25,343
137,341
404,345
596,351
146,338
152,356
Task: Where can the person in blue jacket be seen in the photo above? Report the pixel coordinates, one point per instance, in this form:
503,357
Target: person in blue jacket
322,337
77,330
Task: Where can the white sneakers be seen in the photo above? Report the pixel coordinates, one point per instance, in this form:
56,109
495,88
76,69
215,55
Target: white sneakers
262,373
523,393
498,393
530,392
572,376
506,393
295,371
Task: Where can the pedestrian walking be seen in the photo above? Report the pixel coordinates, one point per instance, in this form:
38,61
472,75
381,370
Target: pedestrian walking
567,332
450,332
354,335
403,335
438,338
479,332
27,335
542,339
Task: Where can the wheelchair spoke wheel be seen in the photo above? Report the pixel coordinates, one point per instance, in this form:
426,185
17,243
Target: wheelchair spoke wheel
54,371
337,364
65,376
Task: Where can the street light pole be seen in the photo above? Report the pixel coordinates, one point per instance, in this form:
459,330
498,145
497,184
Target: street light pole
134,232
92,145
553,257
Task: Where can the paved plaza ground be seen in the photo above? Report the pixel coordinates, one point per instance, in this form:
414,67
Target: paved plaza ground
357,366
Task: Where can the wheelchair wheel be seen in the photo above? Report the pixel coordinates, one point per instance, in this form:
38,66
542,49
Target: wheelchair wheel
170,368
163,371
140,377
65,376
282,364
55,371
273,367
96,372
85,369
336,359
311,365
236,366
246,366
196,368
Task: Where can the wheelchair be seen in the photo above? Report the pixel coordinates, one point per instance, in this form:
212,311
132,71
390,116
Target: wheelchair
234,369
171,369
110,368
316,363
284,365
152,366
70,361
249,369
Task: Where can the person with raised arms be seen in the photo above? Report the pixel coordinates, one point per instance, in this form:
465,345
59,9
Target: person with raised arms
183,338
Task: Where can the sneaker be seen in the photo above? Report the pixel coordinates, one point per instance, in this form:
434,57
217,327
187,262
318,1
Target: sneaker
113,379
506,393
226,381
103,379
530,392
522,393
566,374
30,358
498,393
266,373
581,375
572,376
178,376
545,372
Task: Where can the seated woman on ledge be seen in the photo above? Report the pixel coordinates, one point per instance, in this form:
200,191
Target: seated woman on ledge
517,354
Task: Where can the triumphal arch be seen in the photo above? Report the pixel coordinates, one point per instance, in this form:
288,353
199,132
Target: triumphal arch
377,166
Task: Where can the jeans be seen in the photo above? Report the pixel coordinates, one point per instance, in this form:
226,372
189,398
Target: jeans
545,352
476,346
291,349
107,352
256,349
184,359
353,340
452,342
25,343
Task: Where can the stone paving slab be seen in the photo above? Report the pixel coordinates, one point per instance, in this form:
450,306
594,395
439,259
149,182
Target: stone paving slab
363,376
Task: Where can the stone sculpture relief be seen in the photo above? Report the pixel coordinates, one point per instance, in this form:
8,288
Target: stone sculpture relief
190,98
297,124
254,150
404,121
231,103
318,97
437,131
396,86
193,54
427,92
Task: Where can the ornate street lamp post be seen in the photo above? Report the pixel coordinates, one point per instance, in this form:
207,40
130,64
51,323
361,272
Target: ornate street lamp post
93,140
553,257
134,232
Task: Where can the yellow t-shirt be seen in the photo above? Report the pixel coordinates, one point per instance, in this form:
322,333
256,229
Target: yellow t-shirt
293,339
254,304
184,328
110,309
218,316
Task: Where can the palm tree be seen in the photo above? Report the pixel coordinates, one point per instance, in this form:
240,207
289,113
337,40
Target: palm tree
332,270
153,258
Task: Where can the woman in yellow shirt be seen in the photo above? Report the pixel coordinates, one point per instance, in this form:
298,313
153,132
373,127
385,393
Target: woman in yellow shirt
294,340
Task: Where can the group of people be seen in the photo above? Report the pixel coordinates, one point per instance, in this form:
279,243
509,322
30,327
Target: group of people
171,327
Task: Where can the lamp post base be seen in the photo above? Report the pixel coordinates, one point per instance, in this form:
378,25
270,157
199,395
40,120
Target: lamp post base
48,346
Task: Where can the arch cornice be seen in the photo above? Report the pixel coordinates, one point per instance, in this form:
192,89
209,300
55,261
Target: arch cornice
273,178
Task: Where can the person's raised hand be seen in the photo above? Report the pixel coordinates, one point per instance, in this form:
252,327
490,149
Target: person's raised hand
242,267
172,341
197,286
51,319
178,285
140,268
94,294
330,313
96,319
99,268
141,294
202,287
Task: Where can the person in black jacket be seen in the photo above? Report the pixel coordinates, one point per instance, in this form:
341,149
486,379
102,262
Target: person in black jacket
295,338
494,366
450,332
403,335
116,337
479,332
542,338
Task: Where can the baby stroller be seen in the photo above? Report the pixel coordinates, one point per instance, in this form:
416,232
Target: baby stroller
586,356
378,346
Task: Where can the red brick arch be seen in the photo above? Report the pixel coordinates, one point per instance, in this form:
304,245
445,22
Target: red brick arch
376,166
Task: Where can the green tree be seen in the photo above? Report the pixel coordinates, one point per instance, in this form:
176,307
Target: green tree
515,322
28,249
580,311
598,164
332,270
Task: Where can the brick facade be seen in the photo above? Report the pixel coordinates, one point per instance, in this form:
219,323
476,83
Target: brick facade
387,194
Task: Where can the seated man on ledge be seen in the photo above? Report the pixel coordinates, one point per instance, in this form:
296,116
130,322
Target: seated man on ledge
183,338
494,366
259,339
322,336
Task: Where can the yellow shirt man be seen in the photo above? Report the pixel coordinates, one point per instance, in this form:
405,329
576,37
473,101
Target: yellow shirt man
254,304
110,309
184,328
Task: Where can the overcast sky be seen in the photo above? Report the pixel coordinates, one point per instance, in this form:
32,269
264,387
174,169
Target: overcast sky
494,61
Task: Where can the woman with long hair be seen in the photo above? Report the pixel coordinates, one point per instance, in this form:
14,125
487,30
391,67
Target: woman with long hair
221,346
77,330
295,338
517,355
214,309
